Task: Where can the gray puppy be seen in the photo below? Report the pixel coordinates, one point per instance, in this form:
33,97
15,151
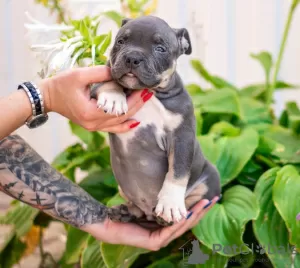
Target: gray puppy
159,165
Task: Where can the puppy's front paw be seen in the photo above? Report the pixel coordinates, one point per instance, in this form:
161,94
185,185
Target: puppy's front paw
112,102
171,207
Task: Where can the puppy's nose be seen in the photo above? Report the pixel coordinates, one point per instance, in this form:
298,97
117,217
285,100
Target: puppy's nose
133,60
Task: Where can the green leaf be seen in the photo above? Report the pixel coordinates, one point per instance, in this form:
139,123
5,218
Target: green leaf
63,159
265,59
284,85
115,200
253,91
84,30
194,89
224,128
21,216
269,227
222,228
289,151
223,101
234,154
13,253
199,121
99,39
257,90
293,117
214,80
95,185
105,44
286,191
115,16
229,154
209,147
116,256
93,139
254,111
91,255
76,240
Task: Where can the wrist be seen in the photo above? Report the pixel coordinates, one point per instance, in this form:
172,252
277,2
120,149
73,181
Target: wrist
45,88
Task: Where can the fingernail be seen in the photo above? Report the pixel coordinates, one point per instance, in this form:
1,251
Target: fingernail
207,205
189,215
147,97
134,125
220,198
145,91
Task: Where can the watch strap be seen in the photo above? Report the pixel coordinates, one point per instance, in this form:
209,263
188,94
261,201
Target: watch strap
35,97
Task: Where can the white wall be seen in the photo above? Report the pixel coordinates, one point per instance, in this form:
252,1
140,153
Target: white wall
224,33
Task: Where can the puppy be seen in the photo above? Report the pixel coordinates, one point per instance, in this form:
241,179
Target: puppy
159,166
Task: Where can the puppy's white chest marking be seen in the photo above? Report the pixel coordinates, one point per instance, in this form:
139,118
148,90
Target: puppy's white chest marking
153,113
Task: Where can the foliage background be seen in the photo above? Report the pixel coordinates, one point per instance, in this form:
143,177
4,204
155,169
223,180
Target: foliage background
256,154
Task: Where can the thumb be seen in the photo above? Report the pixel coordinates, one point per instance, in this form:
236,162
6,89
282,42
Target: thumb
95,74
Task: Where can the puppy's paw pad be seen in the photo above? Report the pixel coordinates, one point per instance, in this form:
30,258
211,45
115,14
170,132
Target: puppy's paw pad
112,102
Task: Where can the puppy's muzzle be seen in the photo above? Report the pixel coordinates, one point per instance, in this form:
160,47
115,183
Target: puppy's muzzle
133,60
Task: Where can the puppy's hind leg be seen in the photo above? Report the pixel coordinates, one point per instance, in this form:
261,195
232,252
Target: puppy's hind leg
125,212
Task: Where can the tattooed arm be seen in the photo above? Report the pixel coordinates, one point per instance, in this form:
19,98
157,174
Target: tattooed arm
25,176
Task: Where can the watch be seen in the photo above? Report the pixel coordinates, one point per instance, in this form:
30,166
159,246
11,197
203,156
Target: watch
38,117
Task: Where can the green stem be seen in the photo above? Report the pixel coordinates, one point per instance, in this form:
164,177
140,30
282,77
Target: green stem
270,91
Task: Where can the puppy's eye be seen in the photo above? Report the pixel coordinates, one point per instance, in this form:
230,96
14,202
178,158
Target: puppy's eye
120,42
160,49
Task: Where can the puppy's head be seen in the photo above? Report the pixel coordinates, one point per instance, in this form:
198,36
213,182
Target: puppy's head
145,52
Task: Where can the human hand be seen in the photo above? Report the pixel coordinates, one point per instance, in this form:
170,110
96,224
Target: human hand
68,94
133,235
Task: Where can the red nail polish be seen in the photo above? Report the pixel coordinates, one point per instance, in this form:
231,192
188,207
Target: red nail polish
134,125
145,91
147,97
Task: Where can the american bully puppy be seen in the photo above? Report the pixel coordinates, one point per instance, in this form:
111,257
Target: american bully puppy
159,165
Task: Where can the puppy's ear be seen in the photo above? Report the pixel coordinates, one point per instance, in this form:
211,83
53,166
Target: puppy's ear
184,41
124,21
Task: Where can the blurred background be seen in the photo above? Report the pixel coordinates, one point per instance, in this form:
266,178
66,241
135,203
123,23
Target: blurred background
223,33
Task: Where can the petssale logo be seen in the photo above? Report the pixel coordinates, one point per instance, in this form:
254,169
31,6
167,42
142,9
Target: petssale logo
192,253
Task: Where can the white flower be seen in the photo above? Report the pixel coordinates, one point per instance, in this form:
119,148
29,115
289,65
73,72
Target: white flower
55,55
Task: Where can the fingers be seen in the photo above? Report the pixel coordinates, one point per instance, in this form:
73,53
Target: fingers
199,211
95,74
121,128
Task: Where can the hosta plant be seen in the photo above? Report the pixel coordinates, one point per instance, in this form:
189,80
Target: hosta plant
257,155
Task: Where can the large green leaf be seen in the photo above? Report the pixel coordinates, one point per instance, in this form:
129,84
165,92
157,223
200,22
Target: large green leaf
254,111
91,255
269,228
76,240
286,192
288,152
119,256
224,101
230,154
97,184
222,228
235,152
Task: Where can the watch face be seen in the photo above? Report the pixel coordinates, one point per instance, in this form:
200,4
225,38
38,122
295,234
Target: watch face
37,121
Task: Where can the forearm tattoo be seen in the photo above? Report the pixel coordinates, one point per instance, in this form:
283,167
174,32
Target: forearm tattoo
25,176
